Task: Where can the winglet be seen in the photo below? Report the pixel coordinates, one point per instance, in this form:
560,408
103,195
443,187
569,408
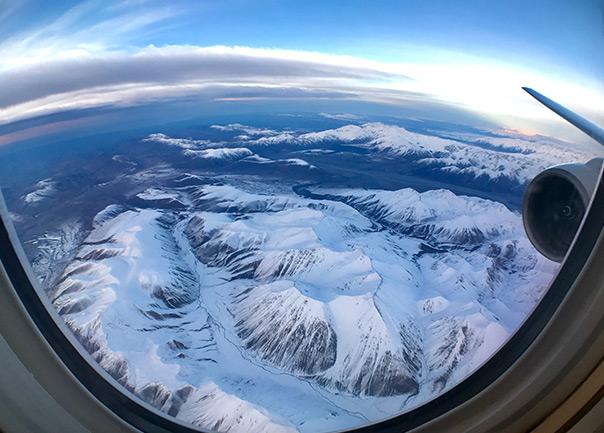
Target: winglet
588,127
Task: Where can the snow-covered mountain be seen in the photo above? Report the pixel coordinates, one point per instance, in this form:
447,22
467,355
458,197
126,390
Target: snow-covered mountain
244,310
438,216
495,156
303,278
43,189
511,155
220,153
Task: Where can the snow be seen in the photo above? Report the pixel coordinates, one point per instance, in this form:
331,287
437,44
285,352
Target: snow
493,155
339,116
220,153
184,143
43,189
432,305
251,307
203,149
346,133
157,194
370,359
258,159
210,407
437,215
504,155
248,130
252,311
305,344
297,161
108,213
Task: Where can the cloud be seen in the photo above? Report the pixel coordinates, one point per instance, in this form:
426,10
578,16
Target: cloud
93,55
87,57
245,129
340,116
220,72
239,74
179,65
8,8
87,28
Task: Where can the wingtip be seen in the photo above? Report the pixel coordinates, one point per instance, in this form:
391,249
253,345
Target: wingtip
538,96
588,127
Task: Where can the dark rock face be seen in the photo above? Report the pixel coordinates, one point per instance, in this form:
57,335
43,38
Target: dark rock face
154,394
282,328
386,380
293,262
161,398
183,288
212,249
436,235
93,342
99,254
379,376
459,340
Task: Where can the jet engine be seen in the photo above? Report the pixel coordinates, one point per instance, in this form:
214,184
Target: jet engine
554,205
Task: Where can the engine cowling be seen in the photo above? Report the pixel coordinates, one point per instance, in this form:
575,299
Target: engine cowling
554,205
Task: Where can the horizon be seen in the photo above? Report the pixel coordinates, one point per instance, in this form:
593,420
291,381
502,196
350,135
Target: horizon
407,59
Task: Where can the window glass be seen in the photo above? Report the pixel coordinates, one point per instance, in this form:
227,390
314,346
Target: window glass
297,216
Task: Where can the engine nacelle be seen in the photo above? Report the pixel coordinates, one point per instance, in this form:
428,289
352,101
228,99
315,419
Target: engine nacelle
554,205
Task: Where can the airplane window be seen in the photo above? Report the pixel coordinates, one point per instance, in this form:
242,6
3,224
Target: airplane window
274,234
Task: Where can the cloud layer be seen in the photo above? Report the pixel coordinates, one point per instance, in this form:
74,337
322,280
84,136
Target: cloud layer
184,65
87,58
219,72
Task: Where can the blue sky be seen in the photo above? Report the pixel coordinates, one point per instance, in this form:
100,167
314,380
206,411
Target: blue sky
565,34
569,34
472,54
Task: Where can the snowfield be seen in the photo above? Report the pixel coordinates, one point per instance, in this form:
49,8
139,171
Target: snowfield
254,312
43,189
220,153
495,156
253,279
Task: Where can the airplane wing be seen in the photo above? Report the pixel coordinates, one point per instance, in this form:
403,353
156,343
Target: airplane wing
588,127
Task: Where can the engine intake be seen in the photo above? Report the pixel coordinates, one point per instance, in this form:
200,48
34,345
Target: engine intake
554,205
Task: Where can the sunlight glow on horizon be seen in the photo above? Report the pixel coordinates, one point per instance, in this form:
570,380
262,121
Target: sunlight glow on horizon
74,40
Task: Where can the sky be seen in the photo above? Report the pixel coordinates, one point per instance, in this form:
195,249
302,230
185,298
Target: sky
472,56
